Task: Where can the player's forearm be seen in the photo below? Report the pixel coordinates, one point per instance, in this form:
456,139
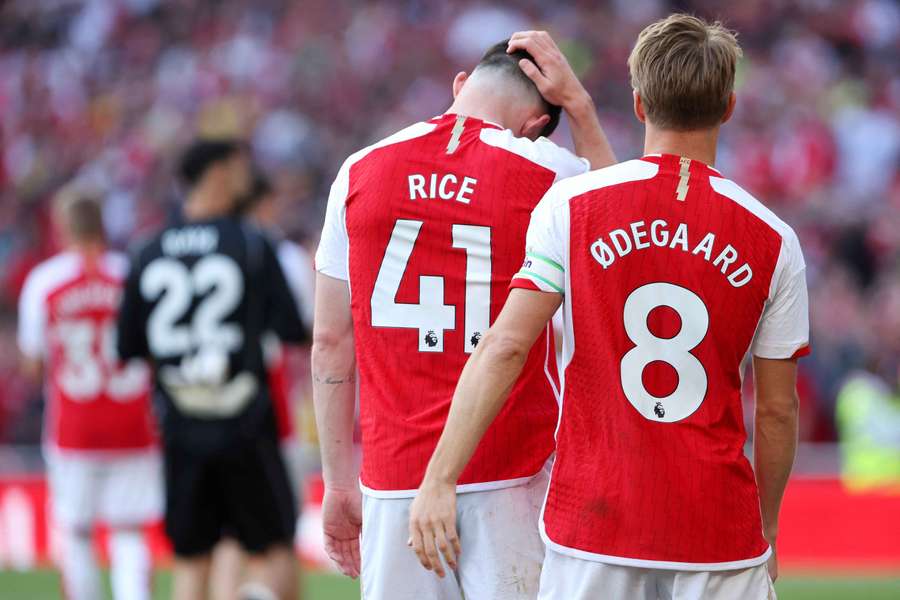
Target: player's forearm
334,398
774,448
482,389
587,134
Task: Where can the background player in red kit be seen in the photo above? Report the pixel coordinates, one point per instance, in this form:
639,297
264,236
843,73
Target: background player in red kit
421,238
669,274
99,442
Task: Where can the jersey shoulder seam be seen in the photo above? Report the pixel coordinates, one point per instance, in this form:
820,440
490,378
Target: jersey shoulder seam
605,178
416,130
503,139
750,204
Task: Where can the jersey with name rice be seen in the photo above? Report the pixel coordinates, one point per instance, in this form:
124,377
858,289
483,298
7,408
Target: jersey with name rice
198,300
670,274
428,227
67,314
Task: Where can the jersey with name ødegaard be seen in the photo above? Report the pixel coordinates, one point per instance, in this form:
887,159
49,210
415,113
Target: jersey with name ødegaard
670,274
428,227
67,315
197,301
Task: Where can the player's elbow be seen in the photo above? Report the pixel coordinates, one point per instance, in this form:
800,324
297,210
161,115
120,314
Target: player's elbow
503,348
329,343
778,409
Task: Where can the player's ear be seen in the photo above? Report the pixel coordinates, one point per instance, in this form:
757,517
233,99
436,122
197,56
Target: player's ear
732,100
639,107
534,126
459,81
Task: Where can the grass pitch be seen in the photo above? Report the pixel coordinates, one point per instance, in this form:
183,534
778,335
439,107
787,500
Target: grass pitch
44,585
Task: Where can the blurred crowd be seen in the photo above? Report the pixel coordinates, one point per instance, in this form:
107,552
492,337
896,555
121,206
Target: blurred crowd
109,91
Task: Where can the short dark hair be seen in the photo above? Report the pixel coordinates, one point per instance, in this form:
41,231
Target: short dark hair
497,57
203,154
259,189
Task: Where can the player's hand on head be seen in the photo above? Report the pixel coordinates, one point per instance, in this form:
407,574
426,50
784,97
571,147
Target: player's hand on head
341,525
550,71
432,527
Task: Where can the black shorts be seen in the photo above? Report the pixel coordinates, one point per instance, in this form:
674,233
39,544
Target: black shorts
243,492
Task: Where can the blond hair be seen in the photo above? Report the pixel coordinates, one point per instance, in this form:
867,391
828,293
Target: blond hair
80,212
683,68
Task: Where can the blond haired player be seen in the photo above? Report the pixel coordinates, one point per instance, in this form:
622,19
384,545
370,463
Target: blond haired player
669,274
99,441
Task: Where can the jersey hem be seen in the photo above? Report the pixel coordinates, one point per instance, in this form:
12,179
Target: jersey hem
333,272
782,351
465,488
653,564
53,449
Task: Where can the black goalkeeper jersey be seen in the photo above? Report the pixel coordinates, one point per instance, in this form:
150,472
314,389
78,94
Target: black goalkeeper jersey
196,303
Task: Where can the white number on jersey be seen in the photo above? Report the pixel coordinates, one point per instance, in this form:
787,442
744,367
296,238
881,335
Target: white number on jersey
675,351
87,371
431,317
176,286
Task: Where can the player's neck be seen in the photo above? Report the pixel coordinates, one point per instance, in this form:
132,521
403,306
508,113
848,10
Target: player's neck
91,250
203,204
480,108
697,145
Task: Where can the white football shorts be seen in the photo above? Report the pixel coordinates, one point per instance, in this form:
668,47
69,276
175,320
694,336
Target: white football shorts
501,548
568,578
121,489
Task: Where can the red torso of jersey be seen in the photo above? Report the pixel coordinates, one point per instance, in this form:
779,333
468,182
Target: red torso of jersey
436,226
94,402
279,387
667,280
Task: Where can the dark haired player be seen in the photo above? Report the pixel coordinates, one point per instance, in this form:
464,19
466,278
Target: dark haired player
197,301
421,239
259,206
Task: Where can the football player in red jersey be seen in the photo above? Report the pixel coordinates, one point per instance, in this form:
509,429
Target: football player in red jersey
669,274
422,235
99,440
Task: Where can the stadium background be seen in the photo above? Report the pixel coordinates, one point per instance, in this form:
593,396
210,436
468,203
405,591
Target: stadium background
110,90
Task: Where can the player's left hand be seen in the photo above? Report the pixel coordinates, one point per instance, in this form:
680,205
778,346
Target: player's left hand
432,526
552,74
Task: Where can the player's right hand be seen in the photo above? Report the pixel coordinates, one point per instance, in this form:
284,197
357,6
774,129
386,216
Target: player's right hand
550,71
342,525
432,526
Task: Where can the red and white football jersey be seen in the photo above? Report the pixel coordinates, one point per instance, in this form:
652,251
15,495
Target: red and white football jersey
67,314
426,226
670,274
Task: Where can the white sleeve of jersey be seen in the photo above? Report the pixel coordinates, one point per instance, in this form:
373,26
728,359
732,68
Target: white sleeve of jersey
542,151
562,162
334,245
32,318
783,330
545,246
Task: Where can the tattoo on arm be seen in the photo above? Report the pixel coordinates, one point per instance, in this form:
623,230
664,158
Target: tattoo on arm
333,380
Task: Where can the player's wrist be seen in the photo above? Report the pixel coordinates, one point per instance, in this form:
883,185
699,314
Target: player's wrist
342,486
439,478
579,104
